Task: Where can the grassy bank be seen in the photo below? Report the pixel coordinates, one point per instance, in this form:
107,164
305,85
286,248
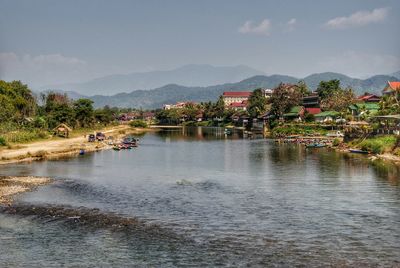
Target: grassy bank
298,129
378,145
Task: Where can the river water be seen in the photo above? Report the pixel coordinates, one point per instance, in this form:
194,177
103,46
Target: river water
197,198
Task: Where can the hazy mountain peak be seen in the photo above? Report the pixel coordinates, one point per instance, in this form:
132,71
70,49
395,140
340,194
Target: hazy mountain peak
188,75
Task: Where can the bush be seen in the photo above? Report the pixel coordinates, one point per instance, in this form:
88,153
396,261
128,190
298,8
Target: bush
379,145
3,141
336,142
26,135
138,123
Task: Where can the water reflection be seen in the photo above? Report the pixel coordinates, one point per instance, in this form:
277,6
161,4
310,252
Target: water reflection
241,202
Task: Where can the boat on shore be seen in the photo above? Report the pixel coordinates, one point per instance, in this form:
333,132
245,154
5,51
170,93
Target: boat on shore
315,145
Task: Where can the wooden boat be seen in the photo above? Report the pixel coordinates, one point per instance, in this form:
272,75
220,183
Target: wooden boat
357,151
315,145
130,141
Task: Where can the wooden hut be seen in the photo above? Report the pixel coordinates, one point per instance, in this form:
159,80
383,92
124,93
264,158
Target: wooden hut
62,130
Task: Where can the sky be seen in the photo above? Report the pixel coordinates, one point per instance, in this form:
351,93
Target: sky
46,42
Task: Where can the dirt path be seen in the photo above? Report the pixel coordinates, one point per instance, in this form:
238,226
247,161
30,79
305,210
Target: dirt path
57,147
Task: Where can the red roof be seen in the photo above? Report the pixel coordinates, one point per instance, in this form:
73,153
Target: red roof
238,104
237,93
394,85
313,110
367,97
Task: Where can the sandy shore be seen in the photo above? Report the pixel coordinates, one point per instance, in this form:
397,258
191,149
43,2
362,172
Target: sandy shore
11,186
57,147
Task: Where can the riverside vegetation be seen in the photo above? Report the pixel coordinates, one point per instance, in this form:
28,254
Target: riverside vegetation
25,117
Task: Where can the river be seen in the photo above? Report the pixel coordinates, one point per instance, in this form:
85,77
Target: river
195,197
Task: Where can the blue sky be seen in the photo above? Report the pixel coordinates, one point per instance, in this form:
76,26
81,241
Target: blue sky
46,42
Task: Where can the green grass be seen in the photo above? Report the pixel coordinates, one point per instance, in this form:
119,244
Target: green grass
297,130
23,136
138,123
378,145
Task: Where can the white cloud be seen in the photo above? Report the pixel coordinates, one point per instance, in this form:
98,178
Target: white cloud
41,69
360,65
291,24
358,19
264,28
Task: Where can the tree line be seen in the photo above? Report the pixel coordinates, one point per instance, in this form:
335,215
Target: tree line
20,108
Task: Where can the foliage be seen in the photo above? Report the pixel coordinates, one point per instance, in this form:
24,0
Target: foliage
16,101
303,88
84,113
379,145
106,115
327,88
3,141
336,142
138,123
283,98
389,104
25,135
257,103
309,117
338,100
290,129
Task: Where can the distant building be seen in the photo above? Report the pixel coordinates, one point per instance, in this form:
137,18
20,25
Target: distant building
178,105
391,88
267,92
364,109
327,116
128,116
238,106
313,110
148,116
369,98
296,113
230,97
311,101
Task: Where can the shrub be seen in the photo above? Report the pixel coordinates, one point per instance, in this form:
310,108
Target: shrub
138,123
336,142
379,145
3,141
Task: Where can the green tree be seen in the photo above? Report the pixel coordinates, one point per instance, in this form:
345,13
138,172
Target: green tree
219,108
257,103
283,98
7,109
339,100
303,88
84,112
328,88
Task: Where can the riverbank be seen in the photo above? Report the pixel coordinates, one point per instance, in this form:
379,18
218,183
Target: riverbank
60,147
11,186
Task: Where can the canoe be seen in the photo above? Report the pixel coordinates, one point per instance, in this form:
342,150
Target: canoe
315,145
357,151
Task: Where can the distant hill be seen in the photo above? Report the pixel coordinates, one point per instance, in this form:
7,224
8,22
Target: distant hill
172,93
396,74
188,75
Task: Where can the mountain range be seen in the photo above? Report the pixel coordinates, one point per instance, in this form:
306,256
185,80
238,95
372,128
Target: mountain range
191,83
188,75
173,93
